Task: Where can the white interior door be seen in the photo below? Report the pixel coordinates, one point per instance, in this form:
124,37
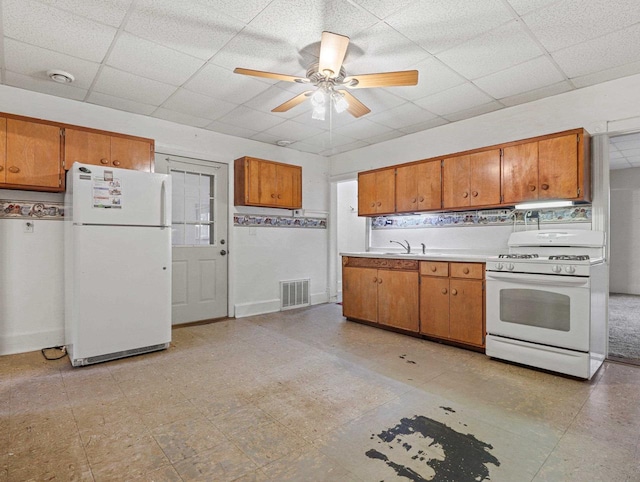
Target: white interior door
199,238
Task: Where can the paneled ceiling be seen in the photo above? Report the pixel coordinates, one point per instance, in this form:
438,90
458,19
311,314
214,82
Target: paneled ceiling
173,59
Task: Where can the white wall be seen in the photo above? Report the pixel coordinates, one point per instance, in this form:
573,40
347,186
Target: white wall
351,228
31,319
625,231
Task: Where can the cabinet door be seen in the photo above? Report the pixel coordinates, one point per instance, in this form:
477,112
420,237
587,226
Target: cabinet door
520,173
86,147
418,187
398,293
558,167
366,193
33,154
434,306
288,189
485,178
3,149
456,182
466,311
406,189
386,191
131,154
360,293
268,182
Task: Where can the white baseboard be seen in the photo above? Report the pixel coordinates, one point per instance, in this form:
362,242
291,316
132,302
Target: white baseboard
25,342
271,306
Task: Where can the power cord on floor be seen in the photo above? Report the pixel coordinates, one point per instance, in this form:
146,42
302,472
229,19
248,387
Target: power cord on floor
62,349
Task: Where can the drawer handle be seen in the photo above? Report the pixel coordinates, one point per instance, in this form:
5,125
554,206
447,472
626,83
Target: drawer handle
14,169
545,187
104,161
465,270
474,193
532,187
116,163
465,195
433,269
454,292
444,291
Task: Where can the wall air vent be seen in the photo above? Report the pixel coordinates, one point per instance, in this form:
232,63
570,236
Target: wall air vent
294,294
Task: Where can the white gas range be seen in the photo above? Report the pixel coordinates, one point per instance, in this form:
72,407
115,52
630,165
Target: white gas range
546,301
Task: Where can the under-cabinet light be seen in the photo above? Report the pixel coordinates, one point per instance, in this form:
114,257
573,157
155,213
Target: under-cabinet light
544,204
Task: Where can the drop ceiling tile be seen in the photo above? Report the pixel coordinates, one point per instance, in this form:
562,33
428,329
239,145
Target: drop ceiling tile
128,86
327,140
272,97
198,105
501,48
603,53
402,116
293,130
34,61
187,26
301,146
364,128
228,129
378,99
442,24
252,119
608,74
382,8
181,118
426,125
120,103
530,75
332,151
536,94
618,164
222,83
526,6
110,12
380,49
151,60
474,111
615,154
393,134
570,22
635,160
433,77
45,86
457,99
37,24
244,10
626,143
266,138
630,151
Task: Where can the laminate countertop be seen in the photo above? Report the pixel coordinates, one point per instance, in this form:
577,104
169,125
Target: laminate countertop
430,255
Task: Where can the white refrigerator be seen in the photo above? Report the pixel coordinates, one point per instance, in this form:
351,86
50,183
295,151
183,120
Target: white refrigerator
117,263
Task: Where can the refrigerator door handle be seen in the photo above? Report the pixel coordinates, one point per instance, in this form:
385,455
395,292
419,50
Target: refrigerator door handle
163,205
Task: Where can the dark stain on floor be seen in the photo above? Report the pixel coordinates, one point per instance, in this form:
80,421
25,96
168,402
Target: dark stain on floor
448,409
465,457
404,357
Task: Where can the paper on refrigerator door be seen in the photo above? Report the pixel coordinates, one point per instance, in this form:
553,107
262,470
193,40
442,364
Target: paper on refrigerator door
107,193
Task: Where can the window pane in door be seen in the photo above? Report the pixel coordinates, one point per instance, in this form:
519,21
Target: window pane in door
177,196
192,197
539,308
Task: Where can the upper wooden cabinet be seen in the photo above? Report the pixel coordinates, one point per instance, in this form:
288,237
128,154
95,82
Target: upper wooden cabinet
3,149
103,149
418,187
376,192
33,156
550,168
471,180
259,182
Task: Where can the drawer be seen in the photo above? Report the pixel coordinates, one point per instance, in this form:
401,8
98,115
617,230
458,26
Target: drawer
467,270
434,268
400,264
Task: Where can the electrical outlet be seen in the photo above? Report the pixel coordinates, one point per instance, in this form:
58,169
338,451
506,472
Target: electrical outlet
28,227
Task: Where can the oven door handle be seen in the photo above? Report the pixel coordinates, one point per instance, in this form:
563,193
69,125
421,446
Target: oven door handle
533,279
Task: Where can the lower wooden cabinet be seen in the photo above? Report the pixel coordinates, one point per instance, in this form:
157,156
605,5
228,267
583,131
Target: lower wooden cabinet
452,301
383,291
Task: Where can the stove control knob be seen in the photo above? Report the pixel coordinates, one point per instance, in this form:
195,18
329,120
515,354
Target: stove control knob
556,268
510,266
570,269
499,266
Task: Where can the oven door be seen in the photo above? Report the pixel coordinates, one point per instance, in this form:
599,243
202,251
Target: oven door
547,309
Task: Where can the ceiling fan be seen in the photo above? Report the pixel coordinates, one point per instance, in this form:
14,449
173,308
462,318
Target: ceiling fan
331,81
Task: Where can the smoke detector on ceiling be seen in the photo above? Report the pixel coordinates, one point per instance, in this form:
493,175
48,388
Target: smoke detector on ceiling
284,143
60,76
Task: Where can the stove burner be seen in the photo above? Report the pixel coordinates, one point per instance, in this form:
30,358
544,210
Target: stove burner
518,256
570,257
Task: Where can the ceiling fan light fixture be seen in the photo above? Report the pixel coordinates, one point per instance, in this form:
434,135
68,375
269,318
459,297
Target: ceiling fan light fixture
339,102
318,112
318,98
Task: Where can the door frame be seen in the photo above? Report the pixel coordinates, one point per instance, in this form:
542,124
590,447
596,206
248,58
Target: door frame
162,163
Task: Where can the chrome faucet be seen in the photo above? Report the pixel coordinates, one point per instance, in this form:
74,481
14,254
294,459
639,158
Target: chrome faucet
423,248
407,247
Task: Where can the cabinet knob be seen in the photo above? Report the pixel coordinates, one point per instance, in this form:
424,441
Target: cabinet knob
273,196
379,281
375,279
433,269
532,187
104,161
465,270
373,205
454,292
465,195
414,200
444,291
279,196
474,193
116,163
544,187
421,199
14,169
379,204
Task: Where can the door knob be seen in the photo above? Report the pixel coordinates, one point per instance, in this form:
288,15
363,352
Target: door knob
223,252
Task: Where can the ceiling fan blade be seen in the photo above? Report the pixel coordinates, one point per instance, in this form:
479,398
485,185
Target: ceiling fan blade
291,103
270,75
333,48
384,79
356,108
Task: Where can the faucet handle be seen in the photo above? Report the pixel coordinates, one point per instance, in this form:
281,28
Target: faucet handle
424,247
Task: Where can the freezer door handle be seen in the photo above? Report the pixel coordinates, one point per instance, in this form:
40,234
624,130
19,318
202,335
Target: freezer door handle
163,205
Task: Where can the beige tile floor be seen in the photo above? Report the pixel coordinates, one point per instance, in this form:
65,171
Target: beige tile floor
305,395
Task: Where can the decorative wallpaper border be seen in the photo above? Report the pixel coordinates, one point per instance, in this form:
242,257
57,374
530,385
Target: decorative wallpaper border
263,221
496,217
31,209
